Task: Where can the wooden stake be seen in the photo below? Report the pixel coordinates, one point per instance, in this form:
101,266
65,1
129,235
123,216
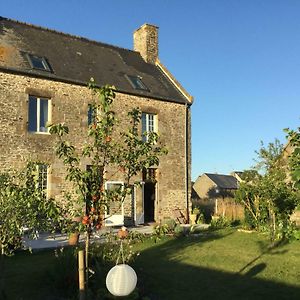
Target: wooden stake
81,274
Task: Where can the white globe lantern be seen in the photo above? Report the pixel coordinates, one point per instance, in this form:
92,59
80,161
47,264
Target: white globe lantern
121,280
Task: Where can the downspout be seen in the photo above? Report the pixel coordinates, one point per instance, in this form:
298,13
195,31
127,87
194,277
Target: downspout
187,162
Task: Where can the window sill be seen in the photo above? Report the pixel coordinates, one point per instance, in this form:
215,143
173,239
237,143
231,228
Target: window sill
38,133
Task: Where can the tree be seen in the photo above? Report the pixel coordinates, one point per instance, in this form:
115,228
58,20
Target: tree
24,205
294,158
111,150
268,197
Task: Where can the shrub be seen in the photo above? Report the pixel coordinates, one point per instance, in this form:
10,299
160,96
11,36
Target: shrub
219,222
170,223
23,204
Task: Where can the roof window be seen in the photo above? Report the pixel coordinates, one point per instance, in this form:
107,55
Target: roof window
38,62
136,82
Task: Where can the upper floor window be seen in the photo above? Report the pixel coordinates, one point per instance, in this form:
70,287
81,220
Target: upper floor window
137,82
38,114
38,62
149,175
91,114
148,124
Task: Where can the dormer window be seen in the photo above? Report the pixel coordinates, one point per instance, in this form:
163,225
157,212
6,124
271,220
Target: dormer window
38,62
136,82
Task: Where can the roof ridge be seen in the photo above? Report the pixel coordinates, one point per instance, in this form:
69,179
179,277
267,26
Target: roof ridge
219,174
65,34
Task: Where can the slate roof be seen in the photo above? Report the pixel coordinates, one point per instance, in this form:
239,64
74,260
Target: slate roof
76,59
224,181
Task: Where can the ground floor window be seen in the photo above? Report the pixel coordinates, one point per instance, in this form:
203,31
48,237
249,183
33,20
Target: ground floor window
42,177
114,214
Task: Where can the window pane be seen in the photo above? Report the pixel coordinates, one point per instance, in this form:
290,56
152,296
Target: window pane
144,126
32,114
42,177
91,115
137,83
37,62
151,123
43,115
148,124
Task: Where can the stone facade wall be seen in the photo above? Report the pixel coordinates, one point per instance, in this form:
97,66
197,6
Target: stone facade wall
295,217
70,104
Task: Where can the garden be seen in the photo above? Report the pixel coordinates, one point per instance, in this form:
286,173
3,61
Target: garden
216,264
256,258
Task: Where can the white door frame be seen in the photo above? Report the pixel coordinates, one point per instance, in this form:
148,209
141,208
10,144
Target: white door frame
139,219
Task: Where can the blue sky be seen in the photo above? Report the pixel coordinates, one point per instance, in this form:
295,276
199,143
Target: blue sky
240,60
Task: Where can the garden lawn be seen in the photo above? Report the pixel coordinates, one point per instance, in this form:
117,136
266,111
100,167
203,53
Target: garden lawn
224,264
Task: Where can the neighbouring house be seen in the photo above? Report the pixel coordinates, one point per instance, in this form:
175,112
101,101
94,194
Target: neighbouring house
43,78
214,193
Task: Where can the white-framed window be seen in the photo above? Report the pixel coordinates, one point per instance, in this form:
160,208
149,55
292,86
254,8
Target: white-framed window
39,114
42,177
149,124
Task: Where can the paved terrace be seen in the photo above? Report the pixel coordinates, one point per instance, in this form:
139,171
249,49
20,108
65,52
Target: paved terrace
47,240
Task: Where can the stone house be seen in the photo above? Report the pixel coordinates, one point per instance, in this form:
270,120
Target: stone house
214,193
43,78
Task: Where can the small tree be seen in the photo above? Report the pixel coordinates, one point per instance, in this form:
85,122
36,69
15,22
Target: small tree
109,148
268,197
294,158
24,205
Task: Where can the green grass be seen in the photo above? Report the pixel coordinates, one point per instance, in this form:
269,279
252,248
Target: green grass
224,264
23,276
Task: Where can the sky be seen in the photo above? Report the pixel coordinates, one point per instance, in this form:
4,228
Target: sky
239,59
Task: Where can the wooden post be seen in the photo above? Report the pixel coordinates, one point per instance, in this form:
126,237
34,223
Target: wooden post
81,274
87,244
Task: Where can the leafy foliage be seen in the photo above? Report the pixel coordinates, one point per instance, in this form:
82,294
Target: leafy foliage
294,158
219,222
23,205
269,197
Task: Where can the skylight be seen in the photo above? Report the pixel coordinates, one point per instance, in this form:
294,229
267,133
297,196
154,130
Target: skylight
137,82
38,62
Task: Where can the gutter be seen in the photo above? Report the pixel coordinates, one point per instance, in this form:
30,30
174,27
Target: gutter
187,162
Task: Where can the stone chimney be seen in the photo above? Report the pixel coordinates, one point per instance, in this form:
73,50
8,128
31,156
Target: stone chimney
145,41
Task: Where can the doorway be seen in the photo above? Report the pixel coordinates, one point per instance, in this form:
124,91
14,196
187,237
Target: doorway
149,202
149,177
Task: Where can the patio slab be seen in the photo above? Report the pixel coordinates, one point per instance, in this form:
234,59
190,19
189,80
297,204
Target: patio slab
46,240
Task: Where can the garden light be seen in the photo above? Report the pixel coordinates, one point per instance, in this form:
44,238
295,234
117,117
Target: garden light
121,280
